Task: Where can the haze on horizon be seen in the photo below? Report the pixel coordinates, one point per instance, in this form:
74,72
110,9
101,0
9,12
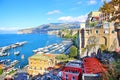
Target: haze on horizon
20,14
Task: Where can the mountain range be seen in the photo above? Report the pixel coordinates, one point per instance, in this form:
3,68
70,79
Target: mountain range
49,27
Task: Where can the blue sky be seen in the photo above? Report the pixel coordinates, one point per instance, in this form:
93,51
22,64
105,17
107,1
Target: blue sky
19,14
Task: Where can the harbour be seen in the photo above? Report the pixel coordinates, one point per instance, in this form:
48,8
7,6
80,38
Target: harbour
19,47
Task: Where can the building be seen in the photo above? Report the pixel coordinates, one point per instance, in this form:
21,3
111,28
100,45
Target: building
92,69
103,33
39,63
72,71
92,17
112,15
21,76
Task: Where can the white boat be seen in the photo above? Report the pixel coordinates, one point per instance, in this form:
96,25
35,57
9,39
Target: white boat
17,53
22,57
17,43
8,53
35,51
1,54
45,50
8,60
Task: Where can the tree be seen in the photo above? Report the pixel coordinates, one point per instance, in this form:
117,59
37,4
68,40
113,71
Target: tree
109,8
93,24
1,71
61,57
73,52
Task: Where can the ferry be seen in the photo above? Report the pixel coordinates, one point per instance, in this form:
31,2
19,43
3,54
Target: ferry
21,43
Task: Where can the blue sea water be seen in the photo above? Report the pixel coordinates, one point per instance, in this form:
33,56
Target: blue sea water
34,41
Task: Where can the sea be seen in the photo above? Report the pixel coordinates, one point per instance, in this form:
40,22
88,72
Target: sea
34,41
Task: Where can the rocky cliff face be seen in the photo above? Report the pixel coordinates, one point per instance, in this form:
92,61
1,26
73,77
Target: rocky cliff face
50,27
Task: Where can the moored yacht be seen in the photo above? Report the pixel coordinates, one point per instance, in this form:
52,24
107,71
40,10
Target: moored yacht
17,53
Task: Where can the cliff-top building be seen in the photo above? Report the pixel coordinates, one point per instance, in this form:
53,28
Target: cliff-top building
92,17
98,32
39,63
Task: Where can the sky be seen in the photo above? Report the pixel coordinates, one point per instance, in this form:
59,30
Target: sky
20,14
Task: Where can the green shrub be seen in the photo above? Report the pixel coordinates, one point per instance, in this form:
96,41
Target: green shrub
103,47
1,71
73,52
62,57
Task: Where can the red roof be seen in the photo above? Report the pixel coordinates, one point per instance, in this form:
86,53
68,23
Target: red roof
92,65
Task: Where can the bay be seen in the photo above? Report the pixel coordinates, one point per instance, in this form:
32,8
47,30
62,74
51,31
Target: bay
34,41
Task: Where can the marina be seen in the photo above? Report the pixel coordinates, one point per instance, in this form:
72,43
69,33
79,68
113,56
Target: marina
55,48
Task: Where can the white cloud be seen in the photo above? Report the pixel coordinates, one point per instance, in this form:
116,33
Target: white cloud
81,18
53,12
9,28
92,2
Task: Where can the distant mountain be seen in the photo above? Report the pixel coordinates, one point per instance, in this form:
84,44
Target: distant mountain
49,27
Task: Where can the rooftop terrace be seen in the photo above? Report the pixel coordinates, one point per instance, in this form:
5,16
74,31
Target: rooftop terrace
76,64
42,56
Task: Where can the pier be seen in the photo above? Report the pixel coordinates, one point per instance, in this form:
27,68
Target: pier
3,50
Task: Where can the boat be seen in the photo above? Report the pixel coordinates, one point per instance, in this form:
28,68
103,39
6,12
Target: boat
35,51
17,43
22,57
8,53
8,60
13,63
3,54
17,53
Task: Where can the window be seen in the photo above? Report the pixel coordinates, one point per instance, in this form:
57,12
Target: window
66,77
113,31
73,78
97,31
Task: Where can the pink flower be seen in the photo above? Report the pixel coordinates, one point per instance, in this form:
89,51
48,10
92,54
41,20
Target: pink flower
117,50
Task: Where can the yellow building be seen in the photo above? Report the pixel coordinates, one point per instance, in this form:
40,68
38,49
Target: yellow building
39,63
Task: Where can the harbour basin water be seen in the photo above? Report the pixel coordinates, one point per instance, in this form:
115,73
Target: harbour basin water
34,41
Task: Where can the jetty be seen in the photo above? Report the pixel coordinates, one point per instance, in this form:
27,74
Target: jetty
13,63
5,48
55,48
